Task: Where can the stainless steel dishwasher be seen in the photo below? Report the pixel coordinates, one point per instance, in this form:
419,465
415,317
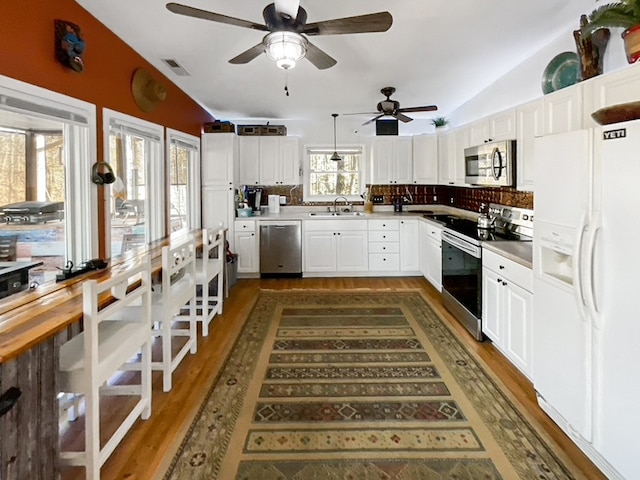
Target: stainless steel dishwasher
280,248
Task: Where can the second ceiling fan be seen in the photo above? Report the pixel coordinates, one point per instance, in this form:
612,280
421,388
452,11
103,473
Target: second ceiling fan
391,108
286,22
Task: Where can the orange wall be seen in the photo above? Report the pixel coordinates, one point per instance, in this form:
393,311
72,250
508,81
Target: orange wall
27,54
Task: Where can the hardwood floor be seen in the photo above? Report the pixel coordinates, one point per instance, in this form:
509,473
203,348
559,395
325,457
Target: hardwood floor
150,445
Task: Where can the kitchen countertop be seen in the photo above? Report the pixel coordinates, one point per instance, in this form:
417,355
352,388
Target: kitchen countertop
519,252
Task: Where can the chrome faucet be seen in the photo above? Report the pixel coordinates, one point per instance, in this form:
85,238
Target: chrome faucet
347,204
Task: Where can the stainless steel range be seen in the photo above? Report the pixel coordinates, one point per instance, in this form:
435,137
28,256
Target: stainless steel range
462,259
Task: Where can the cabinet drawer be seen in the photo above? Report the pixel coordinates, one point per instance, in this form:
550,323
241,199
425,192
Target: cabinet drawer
508,269
384,225
377,236
434,232
384,247
245,225
379,262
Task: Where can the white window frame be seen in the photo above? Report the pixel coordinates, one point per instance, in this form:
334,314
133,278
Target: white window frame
307,197
81,219
155,174
193,217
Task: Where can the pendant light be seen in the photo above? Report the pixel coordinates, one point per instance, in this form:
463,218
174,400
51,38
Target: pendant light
335,157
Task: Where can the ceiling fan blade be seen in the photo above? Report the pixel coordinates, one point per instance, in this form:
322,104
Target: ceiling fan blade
426,108
373,22
214,17
403,118
287,7
319,58
248,55
373,119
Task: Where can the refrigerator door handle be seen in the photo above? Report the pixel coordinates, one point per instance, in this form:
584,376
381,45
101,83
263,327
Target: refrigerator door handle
578,269
592,302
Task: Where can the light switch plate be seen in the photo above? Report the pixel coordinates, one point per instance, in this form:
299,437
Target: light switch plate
283,200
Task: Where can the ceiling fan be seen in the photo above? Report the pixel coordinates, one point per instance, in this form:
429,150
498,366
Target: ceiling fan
391,108
286,22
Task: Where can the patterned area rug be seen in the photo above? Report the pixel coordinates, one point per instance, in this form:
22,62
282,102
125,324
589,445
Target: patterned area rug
357,386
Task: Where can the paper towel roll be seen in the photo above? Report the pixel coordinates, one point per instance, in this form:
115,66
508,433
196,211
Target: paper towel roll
274,203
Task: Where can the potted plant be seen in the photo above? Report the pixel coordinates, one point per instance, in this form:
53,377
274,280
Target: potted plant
621,14
440,123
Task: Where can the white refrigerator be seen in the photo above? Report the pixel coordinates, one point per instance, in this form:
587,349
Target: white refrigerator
586,328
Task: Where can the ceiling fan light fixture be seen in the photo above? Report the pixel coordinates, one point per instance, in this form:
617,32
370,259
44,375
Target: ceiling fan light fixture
285,48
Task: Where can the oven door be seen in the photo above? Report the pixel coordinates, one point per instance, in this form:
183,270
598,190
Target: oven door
462,281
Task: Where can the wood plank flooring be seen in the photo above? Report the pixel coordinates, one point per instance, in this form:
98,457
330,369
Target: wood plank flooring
150,445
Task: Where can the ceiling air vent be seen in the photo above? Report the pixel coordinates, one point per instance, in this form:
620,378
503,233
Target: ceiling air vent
176,67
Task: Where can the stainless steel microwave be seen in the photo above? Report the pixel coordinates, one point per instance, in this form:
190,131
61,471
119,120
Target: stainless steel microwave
491,164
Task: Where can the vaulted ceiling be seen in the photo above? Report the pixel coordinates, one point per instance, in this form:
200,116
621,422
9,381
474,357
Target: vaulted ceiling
436,52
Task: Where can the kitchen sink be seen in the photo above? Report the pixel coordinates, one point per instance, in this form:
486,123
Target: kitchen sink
336,214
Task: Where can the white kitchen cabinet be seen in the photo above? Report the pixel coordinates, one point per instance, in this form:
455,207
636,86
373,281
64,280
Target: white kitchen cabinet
451,147
507,308
530,121
391,160
446,169
496,127
432,263
269,160
335,246
279,161
217,207
425,159
620,86
247,246
563,110
384,245
249,160
410,246
219,152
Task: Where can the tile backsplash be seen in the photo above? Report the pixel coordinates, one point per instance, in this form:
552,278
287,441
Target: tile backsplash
468,198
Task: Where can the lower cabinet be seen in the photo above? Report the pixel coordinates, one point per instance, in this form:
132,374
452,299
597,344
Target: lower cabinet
247,246
431,254
384,245
335,246
507,308
410,246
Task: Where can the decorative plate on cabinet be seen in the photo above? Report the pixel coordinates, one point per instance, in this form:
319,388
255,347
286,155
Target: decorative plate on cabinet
563,71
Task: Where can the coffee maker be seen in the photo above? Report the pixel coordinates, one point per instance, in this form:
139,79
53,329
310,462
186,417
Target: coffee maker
254,198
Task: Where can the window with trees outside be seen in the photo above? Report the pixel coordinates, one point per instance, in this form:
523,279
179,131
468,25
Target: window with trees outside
47,209
327,178
184,173
135,151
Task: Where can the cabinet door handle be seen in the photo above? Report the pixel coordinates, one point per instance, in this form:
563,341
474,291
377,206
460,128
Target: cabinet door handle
499,281
252,234
504,283
501,267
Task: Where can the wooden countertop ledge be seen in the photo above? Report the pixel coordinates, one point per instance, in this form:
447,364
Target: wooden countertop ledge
37,315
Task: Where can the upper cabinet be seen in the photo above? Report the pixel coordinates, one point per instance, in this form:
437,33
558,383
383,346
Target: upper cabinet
249,159
451,147
425,159
530,122
499,126
218,159
269,160
391,159
563,110
621,86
